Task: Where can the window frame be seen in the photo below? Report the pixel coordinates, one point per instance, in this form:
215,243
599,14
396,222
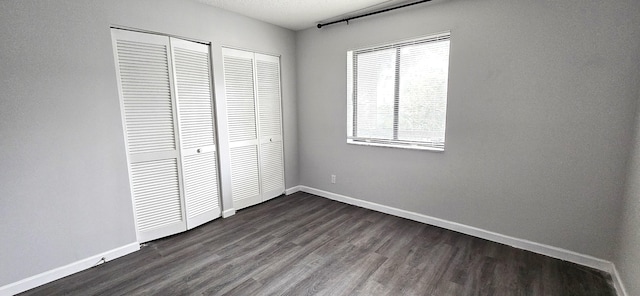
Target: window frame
352,103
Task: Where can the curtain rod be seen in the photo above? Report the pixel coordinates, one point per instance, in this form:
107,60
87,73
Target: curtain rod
370,13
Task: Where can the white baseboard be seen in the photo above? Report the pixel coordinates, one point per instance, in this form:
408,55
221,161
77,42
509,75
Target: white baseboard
292,190
60,272
228,213
519,243
617,282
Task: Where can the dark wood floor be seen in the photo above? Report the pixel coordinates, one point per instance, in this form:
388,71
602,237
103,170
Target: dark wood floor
307,245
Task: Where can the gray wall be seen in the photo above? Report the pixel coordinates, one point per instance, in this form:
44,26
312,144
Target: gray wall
64,189
540,116
628,248
541,106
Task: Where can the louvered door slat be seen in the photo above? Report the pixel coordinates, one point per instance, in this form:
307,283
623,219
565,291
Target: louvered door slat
245,181
197,136
157,91
195,110
201,183
155,187
272,170
238,78
268,74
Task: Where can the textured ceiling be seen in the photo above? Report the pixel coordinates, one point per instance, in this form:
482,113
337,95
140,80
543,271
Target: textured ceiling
299,14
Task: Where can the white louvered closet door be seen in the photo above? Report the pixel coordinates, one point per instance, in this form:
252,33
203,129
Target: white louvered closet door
270,125
151,128
197,136
252,84
243,131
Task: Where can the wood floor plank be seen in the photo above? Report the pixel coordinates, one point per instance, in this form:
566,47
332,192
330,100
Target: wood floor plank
307,245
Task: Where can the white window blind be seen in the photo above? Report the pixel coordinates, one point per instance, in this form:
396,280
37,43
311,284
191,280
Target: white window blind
397,94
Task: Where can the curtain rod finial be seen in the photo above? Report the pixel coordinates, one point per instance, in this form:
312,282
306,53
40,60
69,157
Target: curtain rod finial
319,26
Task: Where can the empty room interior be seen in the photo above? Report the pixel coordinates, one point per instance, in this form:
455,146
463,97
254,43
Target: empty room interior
219,147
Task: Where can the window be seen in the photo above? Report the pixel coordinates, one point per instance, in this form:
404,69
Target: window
397,94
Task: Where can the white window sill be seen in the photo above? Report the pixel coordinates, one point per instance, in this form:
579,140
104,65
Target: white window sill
390,145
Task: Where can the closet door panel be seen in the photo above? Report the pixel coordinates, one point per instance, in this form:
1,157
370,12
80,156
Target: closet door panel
272,170
252,84
156,192
197,138
238,79
243,131
201,188
268,85
145,85
270,125
245,179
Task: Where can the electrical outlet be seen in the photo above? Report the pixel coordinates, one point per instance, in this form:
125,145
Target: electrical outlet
333,179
